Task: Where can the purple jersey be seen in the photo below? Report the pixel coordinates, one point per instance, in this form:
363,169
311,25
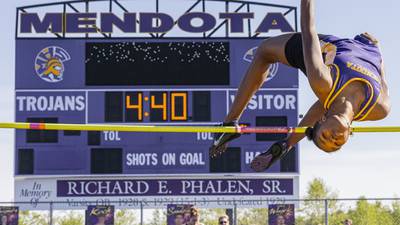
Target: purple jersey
355,59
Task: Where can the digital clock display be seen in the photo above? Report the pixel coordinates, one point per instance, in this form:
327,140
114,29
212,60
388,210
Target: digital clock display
151,82
157,106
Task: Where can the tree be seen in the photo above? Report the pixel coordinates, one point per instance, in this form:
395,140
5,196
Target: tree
252,216
32,218
70,218
396,212
158,218
314,206
124,217
371,213
210,216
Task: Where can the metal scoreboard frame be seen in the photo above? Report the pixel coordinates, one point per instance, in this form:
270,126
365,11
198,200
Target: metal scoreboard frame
100,62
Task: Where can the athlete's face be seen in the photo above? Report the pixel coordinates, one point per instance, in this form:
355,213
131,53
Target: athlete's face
331,133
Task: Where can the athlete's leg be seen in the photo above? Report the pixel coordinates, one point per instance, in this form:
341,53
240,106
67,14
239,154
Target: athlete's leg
271,50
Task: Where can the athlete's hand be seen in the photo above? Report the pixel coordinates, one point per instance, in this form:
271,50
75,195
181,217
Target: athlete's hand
220,142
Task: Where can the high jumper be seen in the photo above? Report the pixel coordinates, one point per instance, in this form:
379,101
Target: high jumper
346,75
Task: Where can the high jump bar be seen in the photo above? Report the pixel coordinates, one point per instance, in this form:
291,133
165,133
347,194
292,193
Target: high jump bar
179,129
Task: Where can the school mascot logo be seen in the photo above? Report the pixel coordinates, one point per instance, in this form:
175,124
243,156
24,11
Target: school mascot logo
49,63
272,70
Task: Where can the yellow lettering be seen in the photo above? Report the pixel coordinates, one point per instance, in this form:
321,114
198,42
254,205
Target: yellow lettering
349,64
362,70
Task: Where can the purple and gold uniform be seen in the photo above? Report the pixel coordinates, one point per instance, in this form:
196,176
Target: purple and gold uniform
352,60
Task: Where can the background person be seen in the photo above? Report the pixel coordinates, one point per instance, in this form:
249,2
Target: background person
223,220
347,222
4,220
179,220
194,217
280,220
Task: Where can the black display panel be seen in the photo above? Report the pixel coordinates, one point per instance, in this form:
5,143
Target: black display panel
94,137
201,106
25,161
162,63
288,163
113,107
42,136
271,121
229,162
106,160
72,133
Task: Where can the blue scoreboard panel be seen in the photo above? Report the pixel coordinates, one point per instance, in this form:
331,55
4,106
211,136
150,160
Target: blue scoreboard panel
134,81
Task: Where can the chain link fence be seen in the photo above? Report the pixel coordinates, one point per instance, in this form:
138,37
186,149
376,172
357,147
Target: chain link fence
362,211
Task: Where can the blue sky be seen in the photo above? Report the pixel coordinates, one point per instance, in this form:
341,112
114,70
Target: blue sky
368,165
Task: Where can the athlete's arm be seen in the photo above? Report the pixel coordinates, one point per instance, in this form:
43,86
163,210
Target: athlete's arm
318,73
314,114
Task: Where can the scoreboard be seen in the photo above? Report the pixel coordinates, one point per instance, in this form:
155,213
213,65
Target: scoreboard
162,62
141,81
